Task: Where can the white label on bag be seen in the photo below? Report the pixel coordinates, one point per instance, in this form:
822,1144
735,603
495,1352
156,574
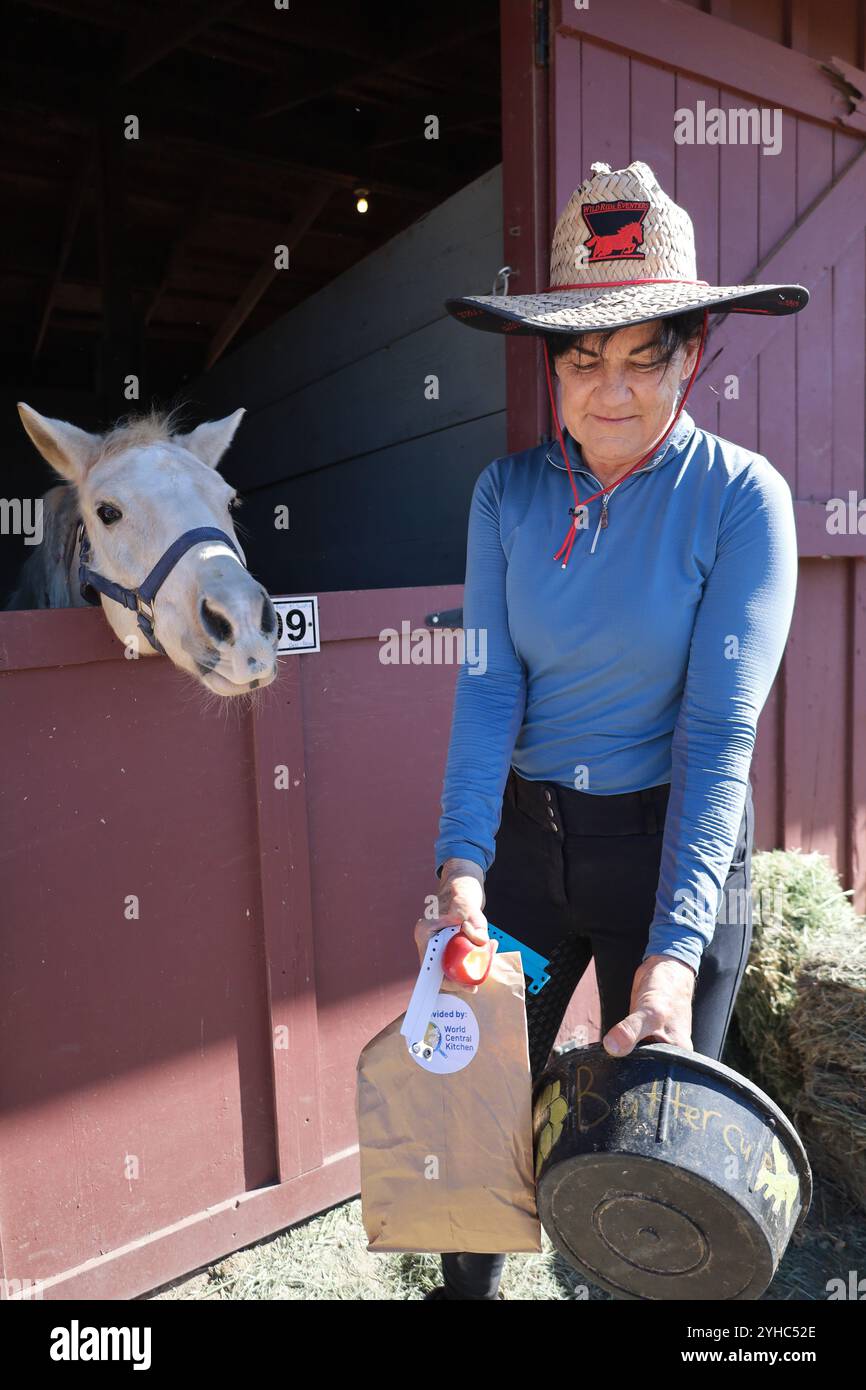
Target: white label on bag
451,1040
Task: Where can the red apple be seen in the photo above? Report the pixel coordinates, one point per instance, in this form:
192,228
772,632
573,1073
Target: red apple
465,963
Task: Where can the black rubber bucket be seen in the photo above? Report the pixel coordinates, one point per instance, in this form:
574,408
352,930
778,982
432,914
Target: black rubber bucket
666,1175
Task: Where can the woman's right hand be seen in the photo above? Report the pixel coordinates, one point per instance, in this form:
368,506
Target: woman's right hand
460,902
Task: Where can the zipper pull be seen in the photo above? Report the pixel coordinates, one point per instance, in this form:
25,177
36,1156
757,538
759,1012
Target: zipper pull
602,523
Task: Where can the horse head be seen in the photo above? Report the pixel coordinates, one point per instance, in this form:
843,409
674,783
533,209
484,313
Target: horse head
143,492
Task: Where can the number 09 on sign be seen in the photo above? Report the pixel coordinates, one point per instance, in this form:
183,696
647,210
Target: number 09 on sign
298,623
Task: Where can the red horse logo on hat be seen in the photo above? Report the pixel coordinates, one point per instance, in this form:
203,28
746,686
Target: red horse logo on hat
616,230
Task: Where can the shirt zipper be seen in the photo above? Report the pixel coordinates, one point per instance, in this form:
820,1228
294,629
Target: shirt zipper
606,496
602,521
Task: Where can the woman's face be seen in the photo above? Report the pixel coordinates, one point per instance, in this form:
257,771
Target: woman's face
616,407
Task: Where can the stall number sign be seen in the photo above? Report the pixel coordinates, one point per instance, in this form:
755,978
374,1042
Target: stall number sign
298,623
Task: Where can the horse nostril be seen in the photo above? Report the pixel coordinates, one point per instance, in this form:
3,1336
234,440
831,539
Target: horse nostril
269,617
218,626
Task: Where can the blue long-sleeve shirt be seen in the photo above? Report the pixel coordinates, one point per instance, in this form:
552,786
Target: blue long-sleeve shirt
647,660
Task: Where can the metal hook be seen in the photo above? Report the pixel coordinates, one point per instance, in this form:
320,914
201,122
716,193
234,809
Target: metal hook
503,275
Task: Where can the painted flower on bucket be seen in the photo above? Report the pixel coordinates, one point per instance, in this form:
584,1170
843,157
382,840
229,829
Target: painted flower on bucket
550,1111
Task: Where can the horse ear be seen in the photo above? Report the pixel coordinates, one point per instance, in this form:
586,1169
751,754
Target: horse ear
209,441
69,450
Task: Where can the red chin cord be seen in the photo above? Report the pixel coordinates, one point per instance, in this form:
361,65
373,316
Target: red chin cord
565,548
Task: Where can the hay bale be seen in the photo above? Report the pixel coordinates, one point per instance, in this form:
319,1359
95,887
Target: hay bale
802,1008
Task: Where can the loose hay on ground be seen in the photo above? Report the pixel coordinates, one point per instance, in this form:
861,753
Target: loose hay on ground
802,1008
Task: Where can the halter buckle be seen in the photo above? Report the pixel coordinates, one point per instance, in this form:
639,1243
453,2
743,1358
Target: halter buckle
145,609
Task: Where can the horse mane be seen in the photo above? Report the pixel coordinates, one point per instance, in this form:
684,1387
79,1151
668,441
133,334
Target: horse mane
44,579
136,431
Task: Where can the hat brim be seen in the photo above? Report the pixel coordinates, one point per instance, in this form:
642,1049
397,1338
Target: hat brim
593,311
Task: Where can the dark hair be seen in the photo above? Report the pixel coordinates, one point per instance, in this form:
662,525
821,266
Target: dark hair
675,331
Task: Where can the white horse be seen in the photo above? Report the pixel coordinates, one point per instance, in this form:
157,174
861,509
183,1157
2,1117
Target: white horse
138,489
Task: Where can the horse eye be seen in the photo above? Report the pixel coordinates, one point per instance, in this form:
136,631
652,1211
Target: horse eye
234,503
108,514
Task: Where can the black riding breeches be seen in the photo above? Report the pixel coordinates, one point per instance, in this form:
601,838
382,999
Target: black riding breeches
575,878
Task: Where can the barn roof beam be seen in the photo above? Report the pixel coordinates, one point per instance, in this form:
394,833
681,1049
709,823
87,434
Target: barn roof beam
240,312
196,219
260,44
478,120
122,347
151,42
260,160
239,48
428,193
429,42
70,227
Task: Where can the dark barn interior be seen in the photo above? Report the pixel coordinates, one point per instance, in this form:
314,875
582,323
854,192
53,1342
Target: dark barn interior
155,154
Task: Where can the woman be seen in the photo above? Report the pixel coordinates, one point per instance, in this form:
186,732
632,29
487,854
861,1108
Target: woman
597,802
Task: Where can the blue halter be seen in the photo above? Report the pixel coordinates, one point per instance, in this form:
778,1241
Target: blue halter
140,600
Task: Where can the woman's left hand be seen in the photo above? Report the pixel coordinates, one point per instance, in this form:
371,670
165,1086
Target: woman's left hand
661,1007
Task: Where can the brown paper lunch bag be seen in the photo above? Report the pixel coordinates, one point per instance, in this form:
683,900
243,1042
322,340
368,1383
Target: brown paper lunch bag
446,1144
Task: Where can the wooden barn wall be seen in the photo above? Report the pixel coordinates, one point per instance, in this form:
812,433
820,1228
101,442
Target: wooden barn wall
807,26
801,396
377,476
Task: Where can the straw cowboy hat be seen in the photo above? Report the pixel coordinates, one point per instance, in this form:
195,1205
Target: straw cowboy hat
623,252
